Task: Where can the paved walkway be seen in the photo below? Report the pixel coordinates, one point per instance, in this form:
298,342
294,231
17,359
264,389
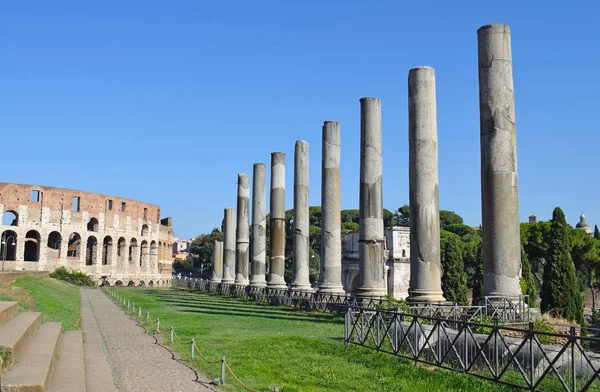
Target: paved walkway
138,363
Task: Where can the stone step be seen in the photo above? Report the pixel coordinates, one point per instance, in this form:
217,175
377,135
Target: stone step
17,332
69,372
8,310
32,371
97,373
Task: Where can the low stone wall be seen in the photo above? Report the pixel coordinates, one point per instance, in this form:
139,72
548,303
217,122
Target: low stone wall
9,277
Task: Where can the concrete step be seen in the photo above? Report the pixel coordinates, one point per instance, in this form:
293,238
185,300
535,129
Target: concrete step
97,373
32,371
69,372
17,332
8,310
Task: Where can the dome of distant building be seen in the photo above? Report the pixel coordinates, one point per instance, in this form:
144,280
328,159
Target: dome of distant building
584,225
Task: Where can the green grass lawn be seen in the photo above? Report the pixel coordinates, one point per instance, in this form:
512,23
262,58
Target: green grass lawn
298,351
57,300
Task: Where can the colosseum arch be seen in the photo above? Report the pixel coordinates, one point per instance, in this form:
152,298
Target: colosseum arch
121,251
74,245
92,225
32,246
143,253
160,250
153,254
8,250
144,231
10,218
133,250
92,251
107,247
53,246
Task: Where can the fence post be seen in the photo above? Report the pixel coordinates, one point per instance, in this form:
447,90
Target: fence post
573,340
193,351
276,389
157,325
140,312
172,333
495,348
466,343
147,315
531,340
346,327
222,370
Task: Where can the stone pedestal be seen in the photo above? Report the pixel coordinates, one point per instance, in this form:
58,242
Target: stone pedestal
229,246
425,262
217,262
330,278
499,180
371,241
277,220
242,254
301,222
259,226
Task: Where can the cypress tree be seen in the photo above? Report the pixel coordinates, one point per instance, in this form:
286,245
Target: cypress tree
454,278
528,286
478,277
596,232
561,296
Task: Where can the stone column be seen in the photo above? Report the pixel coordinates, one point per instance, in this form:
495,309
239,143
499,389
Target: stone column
425,262
301,218
217,262
242,254
229,246
330,278
277,238
371,237
499,184
259,225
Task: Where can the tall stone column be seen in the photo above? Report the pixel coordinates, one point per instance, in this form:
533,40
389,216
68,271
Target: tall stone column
277,238
425,262
301,218
330,278
259,225
217,262
499,182
371,236
229,246
242,253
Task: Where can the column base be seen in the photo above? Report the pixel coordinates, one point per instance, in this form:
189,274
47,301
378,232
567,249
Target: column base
241,281
216,281
371,292
258,281
425,296
301,287
227,281
331,290
276,281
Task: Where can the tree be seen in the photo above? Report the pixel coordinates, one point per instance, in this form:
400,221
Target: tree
528,284
454,278
461,230
183,266
403,216
478,277
202,247
388,218
560,295
350,216
349,227
448,218
596,232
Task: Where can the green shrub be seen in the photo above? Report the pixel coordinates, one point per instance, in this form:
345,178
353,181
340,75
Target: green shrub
77,278
483,319
543,326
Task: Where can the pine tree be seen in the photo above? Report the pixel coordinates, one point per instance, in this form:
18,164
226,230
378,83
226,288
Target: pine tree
596,232
478,277
454,278
561,296
528,285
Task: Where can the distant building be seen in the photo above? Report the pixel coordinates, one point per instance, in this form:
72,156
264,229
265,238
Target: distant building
583,225
181,248
532,219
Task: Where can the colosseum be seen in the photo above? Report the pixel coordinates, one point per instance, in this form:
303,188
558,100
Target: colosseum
115,240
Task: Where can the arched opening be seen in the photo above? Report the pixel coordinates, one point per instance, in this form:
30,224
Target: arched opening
161,250
92,225
153,254
144,230
9,246
54,242
131,283
121,250
118,283
92,251
107,247
151,283
143,253
142,284
32,246
74,247
133,250
10,218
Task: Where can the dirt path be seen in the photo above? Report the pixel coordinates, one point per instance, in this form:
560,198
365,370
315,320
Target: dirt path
138,363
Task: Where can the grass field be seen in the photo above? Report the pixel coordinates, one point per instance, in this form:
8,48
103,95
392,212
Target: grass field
267,346
57,300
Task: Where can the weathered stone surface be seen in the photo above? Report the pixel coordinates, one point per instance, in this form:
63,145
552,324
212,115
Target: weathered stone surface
277,220
425,262
499,180
229,246
217,262
242,254
301,222
330,278
371,238
259,225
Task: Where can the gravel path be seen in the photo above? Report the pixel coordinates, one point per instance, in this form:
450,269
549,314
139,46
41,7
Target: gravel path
138,363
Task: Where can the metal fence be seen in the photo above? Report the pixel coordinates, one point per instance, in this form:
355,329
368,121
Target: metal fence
500,353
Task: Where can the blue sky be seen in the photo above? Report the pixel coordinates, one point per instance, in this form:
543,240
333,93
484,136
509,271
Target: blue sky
166,102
